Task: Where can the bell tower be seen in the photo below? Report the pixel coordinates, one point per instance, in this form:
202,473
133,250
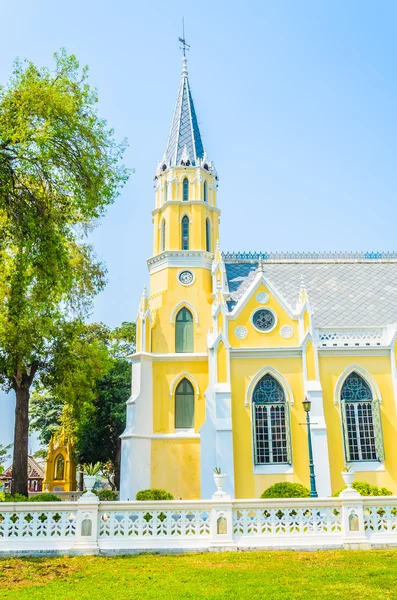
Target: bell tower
185,219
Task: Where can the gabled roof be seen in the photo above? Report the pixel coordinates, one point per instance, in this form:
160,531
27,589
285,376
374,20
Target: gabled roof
34,470
344,292
184,141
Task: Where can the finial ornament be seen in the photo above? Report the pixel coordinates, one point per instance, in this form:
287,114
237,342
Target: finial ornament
182,39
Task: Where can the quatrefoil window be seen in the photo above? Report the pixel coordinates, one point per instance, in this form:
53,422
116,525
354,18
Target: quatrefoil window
264,319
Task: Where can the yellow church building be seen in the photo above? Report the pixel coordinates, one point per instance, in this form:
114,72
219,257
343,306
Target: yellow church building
230,344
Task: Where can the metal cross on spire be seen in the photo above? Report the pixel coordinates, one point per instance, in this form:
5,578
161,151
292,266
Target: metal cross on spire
182,39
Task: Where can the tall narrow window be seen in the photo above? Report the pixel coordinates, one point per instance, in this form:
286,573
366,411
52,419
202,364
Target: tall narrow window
361,420
184,405
271,423
165,192
185,233
205,191
163,236
59,467
186,189
208,235
184,331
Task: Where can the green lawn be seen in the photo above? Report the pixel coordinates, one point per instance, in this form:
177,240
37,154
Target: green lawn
349,575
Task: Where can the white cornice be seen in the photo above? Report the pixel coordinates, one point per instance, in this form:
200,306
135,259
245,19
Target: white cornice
180,258
355,351
169,357
276,352
185,203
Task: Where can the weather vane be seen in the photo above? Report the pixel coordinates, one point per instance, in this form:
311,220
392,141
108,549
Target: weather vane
184,46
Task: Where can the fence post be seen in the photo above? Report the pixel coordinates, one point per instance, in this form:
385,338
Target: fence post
86,541
222,522
353,531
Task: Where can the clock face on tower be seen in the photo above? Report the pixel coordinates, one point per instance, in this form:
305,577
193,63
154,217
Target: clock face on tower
185,277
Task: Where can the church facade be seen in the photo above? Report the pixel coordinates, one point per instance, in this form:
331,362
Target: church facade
230,345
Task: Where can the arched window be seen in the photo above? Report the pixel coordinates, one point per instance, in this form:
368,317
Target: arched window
205,191
59,467
163,235
184,405
208,235
362,428
271,423
185,233
186,189
184,331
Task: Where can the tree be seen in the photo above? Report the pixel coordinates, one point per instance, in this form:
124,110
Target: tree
59,169
4,455
85,391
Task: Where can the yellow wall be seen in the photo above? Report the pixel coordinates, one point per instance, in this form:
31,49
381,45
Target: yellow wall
176,467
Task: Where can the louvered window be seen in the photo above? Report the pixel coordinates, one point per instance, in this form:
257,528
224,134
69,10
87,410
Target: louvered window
208,235
272,443
184,331
163,236
184,405
362,427
205,191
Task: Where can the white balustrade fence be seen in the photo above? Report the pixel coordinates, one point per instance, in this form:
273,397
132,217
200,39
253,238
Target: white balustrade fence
89,526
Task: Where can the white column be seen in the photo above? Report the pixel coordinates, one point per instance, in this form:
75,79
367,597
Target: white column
318,428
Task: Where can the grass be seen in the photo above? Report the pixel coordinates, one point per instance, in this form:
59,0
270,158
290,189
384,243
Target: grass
245,575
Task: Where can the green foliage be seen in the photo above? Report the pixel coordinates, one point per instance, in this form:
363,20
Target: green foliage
5,454
366,489
92,469
15,498
106,495
44,497
59,170
286,489
154,494
2,497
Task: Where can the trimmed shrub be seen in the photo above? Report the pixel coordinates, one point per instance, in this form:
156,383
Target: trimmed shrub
106,495
154,494
2,497
44,497
286,489
366,489
16,498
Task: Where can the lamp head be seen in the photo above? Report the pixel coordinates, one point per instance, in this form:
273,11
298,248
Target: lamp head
306,405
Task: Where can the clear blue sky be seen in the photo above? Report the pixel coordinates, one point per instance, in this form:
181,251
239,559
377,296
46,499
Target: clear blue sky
297,107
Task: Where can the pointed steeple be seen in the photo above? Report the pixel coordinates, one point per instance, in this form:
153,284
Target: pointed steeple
184,141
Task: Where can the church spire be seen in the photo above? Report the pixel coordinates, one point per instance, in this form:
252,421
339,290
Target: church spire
184,141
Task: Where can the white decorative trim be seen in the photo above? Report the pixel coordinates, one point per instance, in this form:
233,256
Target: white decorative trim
180,305
375,391
180,259
279,378
181,434
263,330
367,466
185,214
241,332
282,469
283,352
345,336
169,357
187,203
286,332
178,379
355,351
189,271
262,298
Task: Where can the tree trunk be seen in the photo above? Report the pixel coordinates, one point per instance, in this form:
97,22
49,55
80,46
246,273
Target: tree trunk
117,459
19,484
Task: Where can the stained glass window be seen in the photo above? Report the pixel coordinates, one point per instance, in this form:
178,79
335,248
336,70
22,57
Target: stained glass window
361,421
264,319
186,189
184,405
184,331
185,233
271,423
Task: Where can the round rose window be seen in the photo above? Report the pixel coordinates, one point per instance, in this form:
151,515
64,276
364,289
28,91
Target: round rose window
263,319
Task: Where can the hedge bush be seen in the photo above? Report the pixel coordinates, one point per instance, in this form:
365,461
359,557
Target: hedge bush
106,495
286,489
154,494
16,498
366,489
44,497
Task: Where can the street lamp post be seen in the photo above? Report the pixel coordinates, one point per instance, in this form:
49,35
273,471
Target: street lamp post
313,490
